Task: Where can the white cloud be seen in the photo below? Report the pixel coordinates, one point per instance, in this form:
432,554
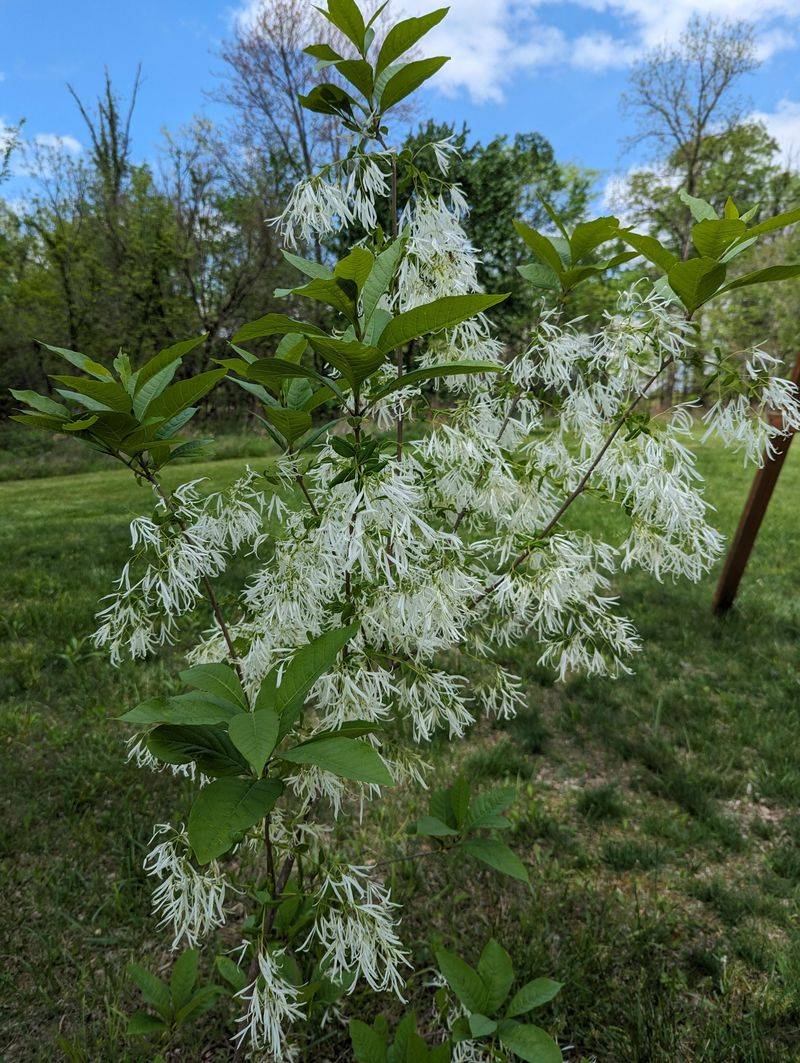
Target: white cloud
784,125
58,142
2,76
491,41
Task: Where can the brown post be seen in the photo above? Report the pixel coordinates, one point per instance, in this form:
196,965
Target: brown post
753,514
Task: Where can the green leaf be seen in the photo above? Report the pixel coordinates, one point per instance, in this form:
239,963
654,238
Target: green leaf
540,275
184,976
696,280
531,1043
368,1045
481,1025
713,238
275,325
780,221
465,982
356,267
307,665
107,393
651,249
95,369
433,827
84,400
225,809
297,393
290,423
409,78
383,270
355,361
209,747
459,800
308,266
41,403
323,52
186,392
153,376
432,373
203,1000
81,424
140,1024
533,995
346,757
346,16
333,293
186,709
154,990
591,234
433,317
220,680
486,809
764,276
541,246
273,372
405,35
153,387
231,972
700,209
329,99
497,972
358,72
497,855
254,734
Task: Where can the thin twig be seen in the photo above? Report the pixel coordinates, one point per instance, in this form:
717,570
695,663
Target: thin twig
581,486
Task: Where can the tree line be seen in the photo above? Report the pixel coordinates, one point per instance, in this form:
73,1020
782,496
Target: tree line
110,253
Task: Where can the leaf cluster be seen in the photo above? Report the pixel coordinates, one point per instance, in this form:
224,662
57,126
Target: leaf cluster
176,1003
132,414
376,82
458,819
233,742
491,1015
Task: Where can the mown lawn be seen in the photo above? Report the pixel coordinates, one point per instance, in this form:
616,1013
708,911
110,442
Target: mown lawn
659,814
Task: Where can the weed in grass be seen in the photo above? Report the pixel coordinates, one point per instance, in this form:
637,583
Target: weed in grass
733,904
529,731
601,802
626,855
501,760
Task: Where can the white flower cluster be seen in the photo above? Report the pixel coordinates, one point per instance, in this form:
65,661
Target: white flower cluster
272,1004
764,411
441,261
190,541
193,901
345,195
355,927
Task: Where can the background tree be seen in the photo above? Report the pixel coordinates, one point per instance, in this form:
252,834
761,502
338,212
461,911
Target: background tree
506,179
686,102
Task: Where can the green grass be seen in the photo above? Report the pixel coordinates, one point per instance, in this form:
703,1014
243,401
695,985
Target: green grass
659,814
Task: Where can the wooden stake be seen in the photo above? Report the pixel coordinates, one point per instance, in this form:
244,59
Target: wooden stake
753,514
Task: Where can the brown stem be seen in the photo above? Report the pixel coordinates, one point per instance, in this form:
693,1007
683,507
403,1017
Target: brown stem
301,483
270,852
420,854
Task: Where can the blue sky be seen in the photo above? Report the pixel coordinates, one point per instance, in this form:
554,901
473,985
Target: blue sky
548,65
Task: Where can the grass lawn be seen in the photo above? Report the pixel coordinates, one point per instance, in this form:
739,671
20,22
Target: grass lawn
659,814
